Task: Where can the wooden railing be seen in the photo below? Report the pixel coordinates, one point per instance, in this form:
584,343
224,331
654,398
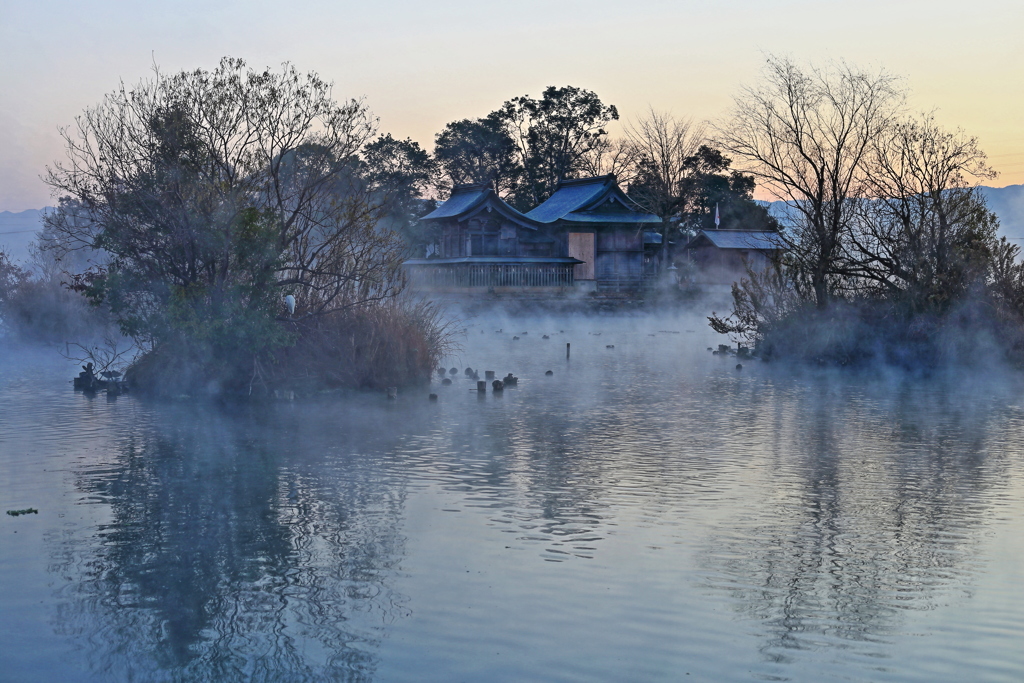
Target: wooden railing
627,285
492,275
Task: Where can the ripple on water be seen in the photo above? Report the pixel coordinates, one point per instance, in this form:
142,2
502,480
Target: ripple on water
643,513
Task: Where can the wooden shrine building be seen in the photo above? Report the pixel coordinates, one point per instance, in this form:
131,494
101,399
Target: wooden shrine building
587,236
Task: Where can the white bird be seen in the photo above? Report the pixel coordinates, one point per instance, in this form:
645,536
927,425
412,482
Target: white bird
289,301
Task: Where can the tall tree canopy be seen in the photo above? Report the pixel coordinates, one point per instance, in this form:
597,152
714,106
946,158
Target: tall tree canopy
527,146
553,136
478,151
402,175
214,193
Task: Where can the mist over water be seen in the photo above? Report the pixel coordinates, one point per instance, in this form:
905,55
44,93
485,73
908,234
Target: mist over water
646,512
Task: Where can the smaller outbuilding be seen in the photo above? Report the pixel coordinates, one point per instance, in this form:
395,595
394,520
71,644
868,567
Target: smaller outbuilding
721,257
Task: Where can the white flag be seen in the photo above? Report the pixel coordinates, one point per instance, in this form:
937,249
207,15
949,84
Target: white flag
718,221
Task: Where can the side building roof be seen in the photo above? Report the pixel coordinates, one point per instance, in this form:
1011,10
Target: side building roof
591,200
763,240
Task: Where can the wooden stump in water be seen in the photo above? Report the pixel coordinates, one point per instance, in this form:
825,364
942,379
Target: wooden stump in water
481,386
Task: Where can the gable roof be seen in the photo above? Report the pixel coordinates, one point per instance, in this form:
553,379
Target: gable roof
763,240
468,200
591,200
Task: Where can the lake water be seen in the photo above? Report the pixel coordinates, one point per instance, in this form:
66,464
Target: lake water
646,513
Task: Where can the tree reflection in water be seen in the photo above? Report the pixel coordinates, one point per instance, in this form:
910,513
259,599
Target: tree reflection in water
236,549
877,508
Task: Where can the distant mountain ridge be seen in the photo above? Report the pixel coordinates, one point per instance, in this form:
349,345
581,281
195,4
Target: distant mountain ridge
1006,202
18,230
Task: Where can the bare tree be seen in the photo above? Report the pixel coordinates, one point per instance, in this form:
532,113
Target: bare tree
661,145
923,230
616,156
805,134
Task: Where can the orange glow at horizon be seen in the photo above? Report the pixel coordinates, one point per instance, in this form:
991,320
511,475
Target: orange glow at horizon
422,65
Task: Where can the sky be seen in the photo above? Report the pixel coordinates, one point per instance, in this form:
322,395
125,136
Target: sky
419,65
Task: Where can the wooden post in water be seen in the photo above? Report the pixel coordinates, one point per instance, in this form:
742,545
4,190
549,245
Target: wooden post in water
481,386
567,350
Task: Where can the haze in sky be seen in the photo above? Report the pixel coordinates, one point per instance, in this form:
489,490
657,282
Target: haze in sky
420,65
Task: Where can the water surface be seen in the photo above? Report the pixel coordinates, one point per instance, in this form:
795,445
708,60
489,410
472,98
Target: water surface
648,512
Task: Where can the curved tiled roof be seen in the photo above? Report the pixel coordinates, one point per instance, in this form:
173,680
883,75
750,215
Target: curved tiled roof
463,199
624,217
466,199
582,199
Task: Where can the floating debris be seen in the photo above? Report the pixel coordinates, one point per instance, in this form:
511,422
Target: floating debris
549,373
433,397
609,346
497,385
739,366
453,371
469,371
515,338
26,511
510,380
545,337
446,381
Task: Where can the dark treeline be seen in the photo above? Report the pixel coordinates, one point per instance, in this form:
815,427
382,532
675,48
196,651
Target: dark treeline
890,251
527,146
37,306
